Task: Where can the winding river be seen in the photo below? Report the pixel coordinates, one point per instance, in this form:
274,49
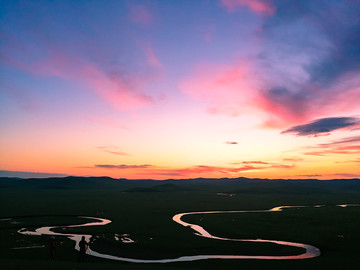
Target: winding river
309,251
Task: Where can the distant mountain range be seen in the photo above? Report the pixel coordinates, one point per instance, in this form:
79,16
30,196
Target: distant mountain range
225,185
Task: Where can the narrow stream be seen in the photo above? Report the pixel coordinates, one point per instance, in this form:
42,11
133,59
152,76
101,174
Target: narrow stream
309,251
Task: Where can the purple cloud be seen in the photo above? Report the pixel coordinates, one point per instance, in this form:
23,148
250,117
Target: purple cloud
309,63
309,175
349,145
323,126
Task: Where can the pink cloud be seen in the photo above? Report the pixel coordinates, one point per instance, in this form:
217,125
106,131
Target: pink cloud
152,59
266,165
317,153
295,159
188,172
241,87
353,149
238,88
255,162
277,116
347,146
120,93
226,89
285,106
262,7
202,169
122,166
141,15
193,171
112,150
283,166
231,142
215,170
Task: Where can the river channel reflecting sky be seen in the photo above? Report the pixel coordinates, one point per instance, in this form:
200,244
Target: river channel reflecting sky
179,89
308,252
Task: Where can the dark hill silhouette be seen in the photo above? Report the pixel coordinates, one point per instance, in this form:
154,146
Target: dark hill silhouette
70,182
224,185
167,187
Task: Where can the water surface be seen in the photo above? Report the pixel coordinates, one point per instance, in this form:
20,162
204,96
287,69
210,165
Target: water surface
309,250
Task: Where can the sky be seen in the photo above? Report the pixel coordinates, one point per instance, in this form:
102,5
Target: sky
180,89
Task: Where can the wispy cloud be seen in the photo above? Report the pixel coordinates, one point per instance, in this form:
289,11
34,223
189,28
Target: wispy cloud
112,150
347,150
323,126
255,162
309,175
349,161
122,92
185,172
194,171
347,140
230,142
317,153
348,146
283,166
219,86
122,166
140,14
152,58
204,170
294,159
347,175
96,60
265,165
310,62
306,66
262,7
330,176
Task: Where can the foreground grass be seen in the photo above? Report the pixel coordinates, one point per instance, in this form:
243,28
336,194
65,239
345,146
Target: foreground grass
147,218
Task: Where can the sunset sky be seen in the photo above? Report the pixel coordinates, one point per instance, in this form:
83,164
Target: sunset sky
180,89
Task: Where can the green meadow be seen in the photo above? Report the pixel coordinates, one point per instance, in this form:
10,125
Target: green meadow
143,210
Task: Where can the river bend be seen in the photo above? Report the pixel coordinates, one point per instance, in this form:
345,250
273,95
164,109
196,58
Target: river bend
309,250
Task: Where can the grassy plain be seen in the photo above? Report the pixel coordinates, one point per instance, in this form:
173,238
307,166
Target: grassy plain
144,210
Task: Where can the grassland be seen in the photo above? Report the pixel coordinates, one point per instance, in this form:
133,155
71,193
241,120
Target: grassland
144,210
